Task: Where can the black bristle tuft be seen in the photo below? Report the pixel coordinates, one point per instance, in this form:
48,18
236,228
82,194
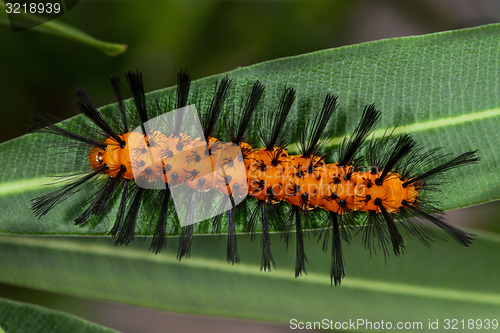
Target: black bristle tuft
337,271
462,237
122,209
159,239
402,147
300,254
115,83
374,230
186,237
310,138
469,157
42,125
273,131
101,201
237,135
232,247
185,242
397,241
42,205
211,117
135,82
127,229
267,257
183,86
352,145
87,107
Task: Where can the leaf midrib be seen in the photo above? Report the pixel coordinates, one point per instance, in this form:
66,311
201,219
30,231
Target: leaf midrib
282,274
425,125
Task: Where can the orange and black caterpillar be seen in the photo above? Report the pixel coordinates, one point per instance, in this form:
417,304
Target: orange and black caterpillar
379,185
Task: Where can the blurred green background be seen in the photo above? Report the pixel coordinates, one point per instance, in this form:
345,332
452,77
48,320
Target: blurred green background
40,71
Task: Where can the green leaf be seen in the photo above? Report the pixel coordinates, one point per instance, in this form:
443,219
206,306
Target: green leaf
447,281
443,88
20,317
66,31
